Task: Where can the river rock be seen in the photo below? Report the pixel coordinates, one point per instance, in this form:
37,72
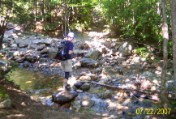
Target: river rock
82,86
94,55
64,97
87,62
125,49
85,78
40,47
78,84
31,58
46,41
85,87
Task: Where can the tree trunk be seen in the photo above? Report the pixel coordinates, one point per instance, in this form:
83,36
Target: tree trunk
3,20
43,10
173,19
165,35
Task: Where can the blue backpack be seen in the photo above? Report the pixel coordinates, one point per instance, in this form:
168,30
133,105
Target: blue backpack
62,51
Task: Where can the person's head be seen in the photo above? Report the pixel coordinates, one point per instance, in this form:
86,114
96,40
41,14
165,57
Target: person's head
70,36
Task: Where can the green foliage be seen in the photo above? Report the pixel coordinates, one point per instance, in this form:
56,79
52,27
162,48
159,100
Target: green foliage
3,94
142,51
137,19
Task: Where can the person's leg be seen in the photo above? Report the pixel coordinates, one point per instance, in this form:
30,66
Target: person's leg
68,70
67,75
63,65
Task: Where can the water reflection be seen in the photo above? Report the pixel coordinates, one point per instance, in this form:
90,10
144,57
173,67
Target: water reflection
30,80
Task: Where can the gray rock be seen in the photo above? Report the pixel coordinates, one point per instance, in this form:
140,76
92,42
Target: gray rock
64,97
87,62
84,78
94,55
78,84
85,87
125,49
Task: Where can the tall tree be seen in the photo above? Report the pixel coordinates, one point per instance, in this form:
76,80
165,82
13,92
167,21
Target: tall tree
165,35
173,19
5,10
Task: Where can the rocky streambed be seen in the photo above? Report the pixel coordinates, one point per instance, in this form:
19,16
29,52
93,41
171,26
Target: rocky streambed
110,78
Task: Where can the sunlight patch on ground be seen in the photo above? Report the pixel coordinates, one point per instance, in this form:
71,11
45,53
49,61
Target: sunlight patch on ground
95,34
15,116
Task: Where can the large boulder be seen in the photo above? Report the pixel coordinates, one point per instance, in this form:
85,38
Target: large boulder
87,62
64,97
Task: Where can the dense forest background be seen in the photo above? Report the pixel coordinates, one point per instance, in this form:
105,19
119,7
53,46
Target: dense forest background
137,20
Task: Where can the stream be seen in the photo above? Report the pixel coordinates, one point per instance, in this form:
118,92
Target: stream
40,78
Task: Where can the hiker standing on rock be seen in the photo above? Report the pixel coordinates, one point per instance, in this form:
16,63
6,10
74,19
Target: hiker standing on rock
67,63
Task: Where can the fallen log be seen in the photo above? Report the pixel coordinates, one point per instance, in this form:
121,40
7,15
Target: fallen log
125,89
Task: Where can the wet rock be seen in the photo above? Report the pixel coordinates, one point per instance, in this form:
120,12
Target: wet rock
64,97
87,62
